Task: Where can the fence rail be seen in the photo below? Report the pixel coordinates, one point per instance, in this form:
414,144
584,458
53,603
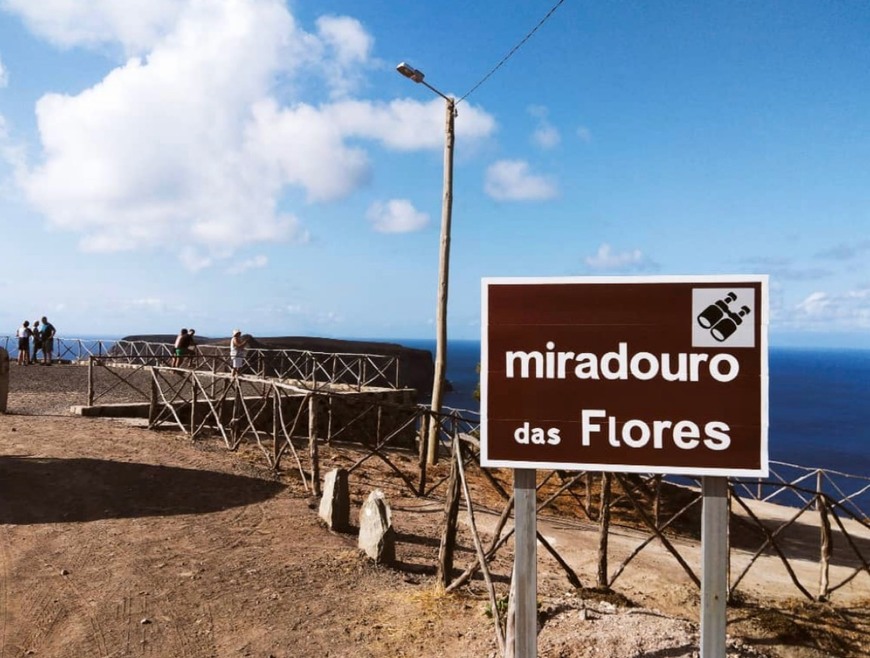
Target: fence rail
822,540
318,369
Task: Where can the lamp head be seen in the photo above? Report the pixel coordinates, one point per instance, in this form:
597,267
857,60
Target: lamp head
410,72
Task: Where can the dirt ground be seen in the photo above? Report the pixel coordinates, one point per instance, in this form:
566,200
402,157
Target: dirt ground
120,541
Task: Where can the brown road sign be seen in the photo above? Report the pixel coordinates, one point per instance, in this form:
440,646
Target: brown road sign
632,374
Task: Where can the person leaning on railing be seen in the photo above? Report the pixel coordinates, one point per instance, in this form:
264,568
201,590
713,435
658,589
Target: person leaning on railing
192,350
237,351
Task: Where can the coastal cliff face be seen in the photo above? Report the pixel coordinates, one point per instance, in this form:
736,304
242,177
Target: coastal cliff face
416,366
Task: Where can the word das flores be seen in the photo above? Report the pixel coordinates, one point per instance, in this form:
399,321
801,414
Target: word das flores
658,434
620,364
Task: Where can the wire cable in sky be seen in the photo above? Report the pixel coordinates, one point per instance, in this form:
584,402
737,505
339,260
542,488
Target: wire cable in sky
510,54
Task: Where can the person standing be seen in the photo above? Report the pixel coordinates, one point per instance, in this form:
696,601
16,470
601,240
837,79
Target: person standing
23,335
237,351
192,351
182,341
48,332
37,341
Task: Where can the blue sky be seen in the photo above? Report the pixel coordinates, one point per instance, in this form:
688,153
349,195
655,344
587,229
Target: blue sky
260,163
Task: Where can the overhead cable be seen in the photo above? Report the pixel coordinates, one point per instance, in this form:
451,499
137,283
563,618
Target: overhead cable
510,54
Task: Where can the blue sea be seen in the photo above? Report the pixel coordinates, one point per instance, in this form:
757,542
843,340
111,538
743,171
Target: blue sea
819,402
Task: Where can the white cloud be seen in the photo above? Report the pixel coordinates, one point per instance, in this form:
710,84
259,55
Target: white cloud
187,145
74,23
147,303
605,259
4,75
546,135
396,216
831,311
511,180
257,262
408,125
351,46
815,304
12,153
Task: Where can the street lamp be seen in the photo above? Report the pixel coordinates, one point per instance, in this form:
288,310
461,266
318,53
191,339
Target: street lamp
443,262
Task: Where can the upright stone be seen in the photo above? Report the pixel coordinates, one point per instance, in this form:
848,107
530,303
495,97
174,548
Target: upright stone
335,503
4,380
376,535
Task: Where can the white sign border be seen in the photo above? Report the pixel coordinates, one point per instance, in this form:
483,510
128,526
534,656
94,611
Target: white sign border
486,462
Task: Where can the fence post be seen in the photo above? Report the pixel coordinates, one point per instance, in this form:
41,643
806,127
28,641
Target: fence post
152,407
604,528
192,406
332,375
276,410
312,443
424,440
657,501
451,514
329,418
4,379
90,381
825,545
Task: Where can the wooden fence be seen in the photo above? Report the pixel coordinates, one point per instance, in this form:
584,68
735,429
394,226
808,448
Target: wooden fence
314,368
824,523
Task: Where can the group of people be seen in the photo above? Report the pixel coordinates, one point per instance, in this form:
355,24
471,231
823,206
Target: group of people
185,348
42,336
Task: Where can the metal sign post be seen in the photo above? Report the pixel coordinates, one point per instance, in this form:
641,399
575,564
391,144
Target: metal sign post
714,566
525,563
664,374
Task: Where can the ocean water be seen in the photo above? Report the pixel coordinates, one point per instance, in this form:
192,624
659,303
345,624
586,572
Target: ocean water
819,403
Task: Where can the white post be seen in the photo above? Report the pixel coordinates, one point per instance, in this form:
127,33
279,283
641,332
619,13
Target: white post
714,561
525,563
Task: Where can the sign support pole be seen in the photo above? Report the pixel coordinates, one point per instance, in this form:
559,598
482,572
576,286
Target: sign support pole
714,566
525,563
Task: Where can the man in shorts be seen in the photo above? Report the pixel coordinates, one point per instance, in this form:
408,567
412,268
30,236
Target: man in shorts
182,342
48,332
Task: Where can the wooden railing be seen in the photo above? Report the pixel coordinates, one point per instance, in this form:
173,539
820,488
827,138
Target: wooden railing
315,368
817,525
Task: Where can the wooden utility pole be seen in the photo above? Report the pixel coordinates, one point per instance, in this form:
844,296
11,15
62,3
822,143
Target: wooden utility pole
418,76
443,279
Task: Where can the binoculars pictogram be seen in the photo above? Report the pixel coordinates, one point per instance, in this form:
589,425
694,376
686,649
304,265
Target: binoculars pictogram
720,319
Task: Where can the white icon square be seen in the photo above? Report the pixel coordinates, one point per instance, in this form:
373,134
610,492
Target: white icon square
723,317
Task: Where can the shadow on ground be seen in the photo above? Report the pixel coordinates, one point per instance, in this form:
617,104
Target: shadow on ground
37,490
